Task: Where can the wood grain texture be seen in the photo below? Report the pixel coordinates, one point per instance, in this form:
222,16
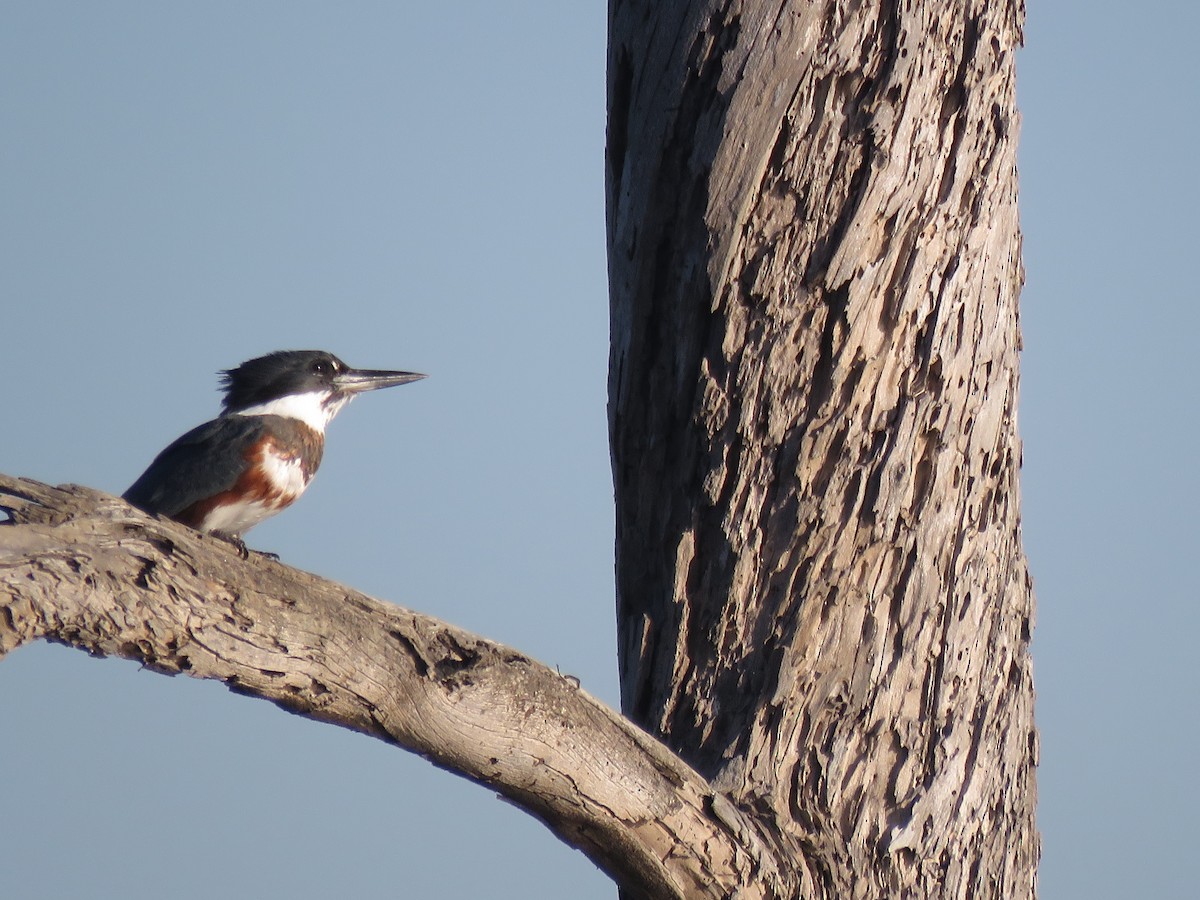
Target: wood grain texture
85,569
814,263
823,601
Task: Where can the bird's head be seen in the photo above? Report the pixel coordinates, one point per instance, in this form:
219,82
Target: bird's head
310,385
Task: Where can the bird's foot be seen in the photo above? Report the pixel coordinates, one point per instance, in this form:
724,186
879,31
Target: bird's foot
236,540
243,551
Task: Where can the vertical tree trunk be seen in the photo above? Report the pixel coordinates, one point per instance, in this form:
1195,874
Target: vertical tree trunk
815,263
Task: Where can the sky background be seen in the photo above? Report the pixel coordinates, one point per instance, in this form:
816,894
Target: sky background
184,186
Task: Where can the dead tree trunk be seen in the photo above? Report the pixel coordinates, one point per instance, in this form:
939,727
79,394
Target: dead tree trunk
824,605
814,255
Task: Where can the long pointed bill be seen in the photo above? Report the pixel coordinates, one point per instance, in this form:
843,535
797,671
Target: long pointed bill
355,381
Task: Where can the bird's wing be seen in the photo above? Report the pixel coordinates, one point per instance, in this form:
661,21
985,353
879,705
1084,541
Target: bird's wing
204,462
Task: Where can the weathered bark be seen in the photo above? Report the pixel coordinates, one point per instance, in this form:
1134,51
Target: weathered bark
814,270
824,605
84,569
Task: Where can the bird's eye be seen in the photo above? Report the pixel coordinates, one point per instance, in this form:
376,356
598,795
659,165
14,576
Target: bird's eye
320,367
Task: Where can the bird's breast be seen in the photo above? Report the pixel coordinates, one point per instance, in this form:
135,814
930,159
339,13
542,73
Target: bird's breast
285,462
283,473
279,467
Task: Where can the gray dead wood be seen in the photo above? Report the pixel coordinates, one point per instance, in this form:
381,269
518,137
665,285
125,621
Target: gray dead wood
814,262
824,606
84,569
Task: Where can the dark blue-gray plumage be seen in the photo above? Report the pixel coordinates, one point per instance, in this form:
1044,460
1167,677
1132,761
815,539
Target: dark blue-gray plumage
261,453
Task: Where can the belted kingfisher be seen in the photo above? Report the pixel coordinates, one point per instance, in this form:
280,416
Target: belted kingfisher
259,455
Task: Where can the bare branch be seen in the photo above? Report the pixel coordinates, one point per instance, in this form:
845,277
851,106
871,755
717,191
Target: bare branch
84,569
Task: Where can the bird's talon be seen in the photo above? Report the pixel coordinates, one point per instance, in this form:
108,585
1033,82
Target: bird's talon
238,543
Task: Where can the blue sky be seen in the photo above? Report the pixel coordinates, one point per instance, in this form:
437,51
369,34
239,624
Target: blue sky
183,186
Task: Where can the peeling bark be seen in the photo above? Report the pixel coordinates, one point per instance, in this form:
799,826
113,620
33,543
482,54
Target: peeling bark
84,569
824,607
814,262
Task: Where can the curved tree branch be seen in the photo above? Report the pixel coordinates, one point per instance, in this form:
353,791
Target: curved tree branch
83,568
